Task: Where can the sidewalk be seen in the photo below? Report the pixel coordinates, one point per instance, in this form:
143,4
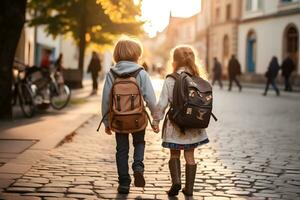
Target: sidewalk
23,141
251,155
260,86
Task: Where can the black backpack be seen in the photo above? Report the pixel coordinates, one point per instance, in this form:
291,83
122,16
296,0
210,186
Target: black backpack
192,101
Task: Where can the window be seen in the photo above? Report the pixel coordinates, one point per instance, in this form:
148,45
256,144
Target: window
292,40
228,12
217,14
260,4
226,51
249,5
291,43
226,46
254,5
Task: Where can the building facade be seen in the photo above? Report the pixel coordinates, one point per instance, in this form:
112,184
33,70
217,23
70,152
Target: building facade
181,31
26,47
203,23
268,28
34,40
223,31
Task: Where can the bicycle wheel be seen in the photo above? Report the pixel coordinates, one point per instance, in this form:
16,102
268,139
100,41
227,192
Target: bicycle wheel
14,95
26,100
60,97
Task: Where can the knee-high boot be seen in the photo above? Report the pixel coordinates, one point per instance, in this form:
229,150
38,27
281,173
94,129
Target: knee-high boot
190,173
174,166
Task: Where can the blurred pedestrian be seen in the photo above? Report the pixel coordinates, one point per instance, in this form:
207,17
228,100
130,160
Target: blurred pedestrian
234,69
217,73
154,68
271,75
58,63
145,66
59,69
45,62
94,68
287,67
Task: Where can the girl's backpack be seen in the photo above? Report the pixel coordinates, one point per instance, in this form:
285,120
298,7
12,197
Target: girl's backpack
127,112
192,101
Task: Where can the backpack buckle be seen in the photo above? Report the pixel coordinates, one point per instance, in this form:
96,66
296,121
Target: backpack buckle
136,123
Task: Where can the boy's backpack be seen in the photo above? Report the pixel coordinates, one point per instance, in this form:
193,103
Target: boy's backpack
127,112
192,101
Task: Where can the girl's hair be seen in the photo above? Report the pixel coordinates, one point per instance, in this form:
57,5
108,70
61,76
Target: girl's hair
185,56
127,49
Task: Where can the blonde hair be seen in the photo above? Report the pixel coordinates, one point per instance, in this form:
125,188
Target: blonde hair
127,49
186,56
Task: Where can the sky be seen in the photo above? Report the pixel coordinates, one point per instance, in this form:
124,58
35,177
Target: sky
156,12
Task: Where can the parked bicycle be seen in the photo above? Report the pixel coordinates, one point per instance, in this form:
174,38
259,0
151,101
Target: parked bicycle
60,93
45,88
21,91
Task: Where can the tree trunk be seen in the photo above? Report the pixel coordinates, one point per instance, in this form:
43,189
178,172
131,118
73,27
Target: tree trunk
82,42
12,19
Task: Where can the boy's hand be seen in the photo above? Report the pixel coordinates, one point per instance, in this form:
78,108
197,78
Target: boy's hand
108,131
155,128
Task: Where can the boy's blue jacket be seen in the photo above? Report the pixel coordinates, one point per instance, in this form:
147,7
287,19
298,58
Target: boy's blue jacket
142,79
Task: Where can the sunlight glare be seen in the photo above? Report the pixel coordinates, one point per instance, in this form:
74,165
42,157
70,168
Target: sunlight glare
156,12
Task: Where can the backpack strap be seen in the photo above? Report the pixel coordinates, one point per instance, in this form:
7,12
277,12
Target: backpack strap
102,121
135,73
174,75
113,73
215,118
131,74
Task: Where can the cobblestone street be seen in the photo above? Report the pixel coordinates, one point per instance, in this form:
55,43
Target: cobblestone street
254,153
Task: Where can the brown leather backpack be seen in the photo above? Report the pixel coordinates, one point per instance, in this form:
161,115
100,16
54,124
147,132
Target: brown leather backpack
127,112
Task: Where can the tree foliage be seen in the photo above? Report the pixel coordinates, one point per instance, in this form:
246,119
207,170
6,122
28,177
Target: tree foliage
100,20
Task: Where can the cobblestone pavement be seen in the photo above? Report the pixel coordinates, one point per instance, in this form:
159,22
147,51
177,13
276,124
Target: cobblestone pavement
254,153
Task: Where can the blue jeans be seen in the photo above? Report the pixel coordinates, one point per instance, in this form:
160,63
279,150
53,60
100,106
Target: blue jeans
271,82
122,155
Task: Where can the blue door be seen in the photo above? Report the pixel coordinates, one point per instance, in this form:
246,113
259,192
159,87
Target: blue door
251,55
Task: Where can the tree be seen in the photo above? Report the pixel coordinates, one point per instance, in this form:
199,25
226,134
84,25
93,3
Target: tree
88,21
12,19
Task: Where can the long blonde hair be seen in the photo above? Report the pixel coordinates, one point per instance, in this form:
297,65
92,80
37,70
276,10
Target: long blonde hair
186,56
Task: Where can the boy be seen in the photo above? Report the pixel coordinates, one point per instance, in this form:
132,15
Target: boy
126,55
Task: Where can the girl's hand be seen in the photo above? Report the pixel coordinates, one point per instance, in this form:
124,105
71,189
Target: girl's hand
155,128
108,131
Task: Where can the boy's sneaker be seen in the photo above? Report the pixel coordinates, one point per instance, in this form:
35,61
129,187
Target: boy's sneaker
139,180
122,189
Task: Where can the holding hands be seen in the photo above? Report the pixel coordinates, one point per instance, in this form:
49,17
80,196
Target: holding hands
155,126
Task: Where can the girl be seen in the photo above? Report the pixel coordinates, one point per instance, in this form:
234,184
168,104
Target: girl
183,59
126,55
271,75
